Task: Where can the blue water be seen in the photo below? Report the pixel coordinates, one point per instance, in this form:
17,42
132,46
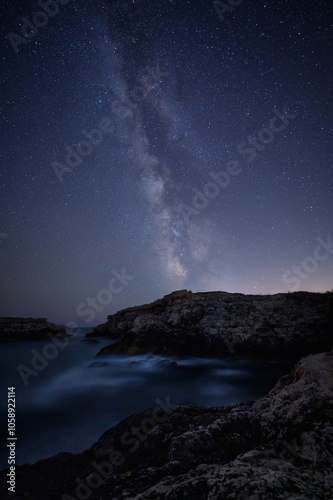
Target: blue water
68,404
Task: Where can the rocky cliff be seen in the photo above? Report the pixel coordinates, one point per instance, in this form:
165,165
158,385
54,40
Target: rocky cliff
215,324
278,447
29,328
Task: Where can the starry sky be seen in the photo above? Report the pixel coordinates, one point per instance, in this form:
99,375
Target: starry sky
153,146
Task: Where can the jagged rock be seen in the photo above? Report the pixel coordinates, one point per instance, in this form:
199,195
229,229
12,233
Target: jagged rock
165,363
29,328
279,447
215,324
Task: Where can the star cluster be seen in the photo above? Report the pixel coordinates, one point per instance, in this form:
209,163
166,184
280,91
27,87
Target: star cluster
190,147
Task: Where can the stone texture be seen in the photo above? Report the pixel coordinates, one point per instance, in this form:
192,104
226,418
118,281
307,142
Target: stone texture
29,328
278,447
216,324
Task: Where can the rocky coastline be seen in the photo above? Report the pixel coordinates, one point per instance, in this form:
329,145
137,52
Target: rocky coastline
217,324
278,447
12,329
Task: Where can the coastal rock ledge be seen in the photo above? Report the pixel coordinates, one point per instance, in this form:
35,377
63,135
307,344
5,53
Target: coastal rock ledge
217,324
278,447
29,328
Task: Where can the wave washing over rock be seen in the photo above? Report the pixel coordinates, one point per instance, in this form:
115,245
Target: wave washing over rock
29,328
216,324
278,447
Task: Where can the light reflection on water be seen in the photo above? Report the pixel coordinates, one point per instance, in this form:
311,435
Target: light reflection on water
77,397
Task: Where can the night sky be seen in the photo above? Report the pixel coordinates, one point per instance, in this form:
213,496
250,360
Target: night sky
206,160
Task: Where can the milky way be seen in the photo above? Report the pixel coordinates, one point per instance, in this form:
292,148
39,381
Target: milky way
181,144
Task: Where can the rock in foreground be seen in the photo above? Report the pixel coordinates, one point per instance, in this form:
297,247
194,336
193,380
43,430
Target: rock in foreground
29,328
279,447
217,324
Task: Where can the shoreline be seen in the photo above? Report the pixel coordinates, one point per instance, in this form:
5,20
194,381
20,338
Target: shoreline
285,435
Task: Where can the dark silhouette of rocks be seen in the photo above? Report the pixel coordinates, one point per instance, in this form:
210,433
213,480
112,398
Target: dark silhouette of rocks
278,447
216,324
29,328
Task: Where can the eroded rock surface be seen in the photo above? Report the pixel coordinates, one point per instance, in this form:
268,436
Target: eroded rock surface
216,324
278,447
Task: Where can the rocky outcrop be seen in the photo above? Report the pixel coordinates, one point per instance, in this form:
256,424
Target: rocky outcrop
279,447
215,324
29,328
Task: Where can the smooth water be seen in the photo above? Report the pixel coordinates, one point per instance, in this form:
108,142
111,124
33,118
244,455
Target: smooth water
70,403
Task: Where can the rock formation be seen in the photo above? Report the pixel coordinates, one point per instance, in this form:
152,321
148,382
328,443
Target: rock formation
29,328
278,447
216,324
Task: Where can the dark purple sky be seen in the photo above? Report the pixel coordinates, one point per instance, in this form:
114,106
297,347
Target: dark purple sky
206,160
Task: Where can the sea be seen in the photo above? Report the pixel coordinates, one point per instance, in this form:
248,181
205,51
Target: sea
67,397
